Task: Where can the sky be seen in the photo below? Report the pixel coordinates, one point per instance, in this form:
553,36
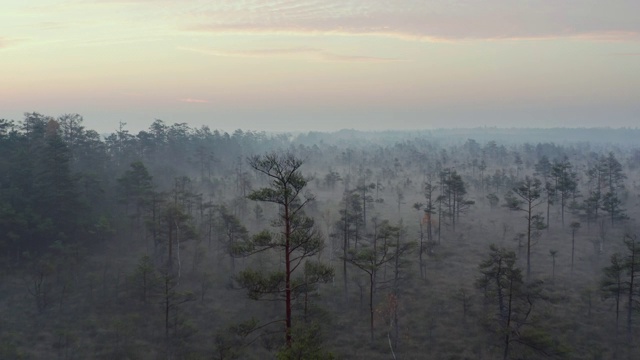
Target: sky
323,65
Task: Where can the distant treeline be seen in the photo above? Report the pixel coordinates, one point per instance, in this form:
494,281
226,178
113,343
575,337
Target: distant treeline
624,137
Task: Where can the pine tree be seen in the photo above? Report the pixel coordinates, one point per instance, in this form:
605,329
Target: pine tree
297,240
525,197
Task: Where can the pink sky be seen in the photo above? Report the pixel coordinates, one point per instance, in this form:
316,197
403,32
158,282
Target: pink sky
323,65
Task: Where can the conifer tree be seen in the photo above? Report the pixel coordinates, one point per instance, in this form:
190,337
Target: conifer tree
297,239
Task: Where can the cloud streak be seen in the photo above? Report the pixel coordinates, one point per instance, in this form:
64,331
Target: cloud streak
412,20
6,42
294,52
193,101
627,54
419,20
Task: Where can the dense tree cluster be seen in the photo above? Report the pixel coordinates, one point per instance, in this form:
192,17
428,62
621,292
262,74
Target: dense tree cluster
458,244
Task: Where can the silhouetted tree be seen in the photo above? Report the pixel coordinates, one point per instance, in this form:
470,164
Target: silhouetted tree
371,257
613,282
574,229
297,240
525,197
566,182
502,284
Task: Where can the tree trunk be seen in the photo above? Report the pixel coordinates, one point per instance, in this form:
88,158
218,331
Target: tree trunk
371,287
632,271
529,241
507,329
287,261
573,248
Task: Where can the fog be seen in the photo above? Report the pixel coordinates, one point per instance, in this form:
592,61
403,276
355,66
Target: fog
185,242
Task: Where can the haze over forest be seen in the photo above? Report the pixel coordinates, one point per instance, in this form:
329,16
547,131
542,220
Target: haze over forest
180,242
362,179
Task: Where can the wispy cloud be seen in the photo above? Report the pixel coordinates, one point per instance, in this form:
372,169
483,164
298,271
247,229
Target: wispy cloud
193,101
6,43
137,1
52,25
627,54
414,20
252,29
305,52
253,53
418,20
330,57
